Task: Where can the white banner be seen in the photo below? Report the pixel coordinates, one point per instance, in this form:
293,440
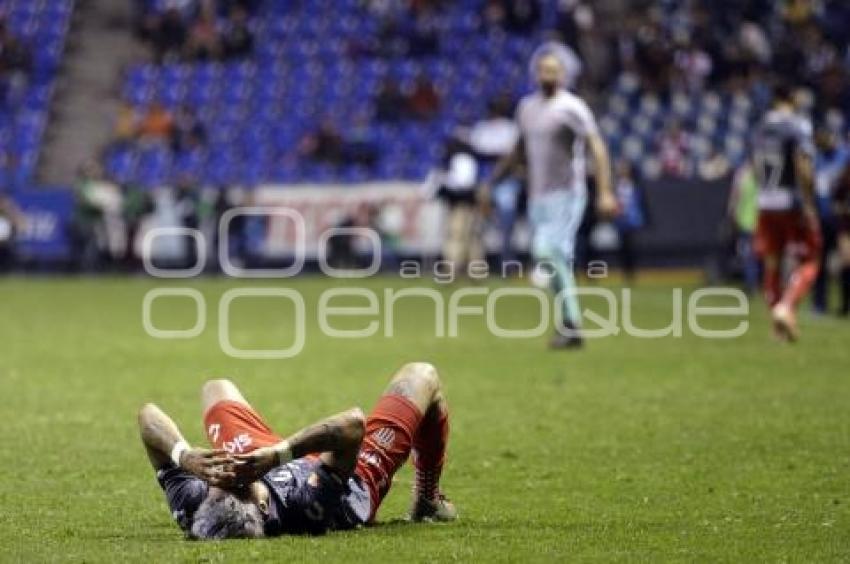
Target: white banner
409,220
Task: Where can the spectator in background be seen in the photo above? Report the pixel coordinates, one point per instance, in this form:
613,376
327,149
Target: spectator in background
423,37
352,250
157,124
458,181
754,43
832,158
841,203
11,221
715,166
424,101
169,35
566,20
15,65
187,200
323,144
631,217
797,12
673,150
492,138
653,54
327,144
187,131
742,210
390,103
515,16
692,65
98,230
237,39
360,146
126,127
384,9
137,205
522,16
403,32
597,56
495,135
14,57
203,41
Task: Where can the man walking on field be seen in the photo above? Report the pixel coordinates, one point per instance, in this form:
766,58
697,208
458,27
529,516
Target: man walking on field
556,127
782,157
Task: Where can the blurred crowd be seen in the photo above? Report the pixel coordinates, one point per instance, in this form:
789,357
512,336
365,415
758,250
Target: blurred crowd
196,30
15,64
676,86
15,67
675,83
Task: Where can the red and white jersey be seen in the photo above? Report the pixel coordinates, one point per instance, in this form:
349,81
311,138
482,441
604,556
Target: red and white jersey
776,139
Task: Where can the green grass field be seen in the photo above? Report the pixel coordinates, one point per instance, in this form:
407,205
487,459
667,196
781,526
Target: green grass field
634,449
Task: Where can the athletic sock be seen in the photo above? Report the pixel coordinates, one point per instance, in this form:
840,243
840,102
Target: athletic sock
772,285
429,452
801,282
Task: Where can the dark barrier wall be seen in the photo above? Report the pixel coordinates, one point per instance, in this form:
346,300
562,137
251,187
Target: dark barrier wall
684,222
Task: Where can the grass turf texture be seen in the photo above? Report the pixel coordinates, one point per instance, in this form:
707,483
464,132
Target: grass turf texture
666,449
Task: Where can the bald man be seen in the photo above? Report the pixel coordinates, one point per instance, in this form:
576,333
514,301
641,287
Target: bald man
556,128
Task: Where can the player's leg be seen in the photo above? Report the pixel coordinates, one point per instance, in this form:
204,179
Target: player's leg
768,246
807,238
229,420
453,249
411,415
221,389
559,217
429,441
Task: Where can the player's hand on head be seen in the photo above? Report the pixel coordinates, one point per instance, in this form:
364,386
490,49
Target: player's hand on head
216,467
255,464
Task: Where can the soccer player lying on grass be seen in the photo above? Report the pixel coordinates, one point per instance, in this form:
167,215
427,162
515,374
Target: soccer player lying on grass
331,475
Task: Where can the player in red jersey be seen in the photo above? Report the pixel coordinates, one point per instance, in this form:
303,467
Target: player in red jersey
328,476
788,221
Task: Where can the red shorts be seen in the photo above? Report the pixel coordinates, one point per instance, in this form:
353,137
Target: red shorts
780,230
237,428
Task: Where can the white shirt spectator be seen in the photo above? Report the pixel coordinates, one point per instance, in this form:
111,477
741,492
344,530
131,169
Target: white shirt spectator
494,137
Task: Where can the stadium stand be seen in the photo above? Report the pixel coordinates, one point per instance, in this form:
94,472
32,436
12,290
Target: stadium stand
355,65
32,37
306,70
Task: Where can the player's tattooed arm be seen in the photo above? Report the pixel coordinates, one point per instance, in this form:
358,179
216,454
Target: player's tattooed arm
338,432
337,437
165,444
